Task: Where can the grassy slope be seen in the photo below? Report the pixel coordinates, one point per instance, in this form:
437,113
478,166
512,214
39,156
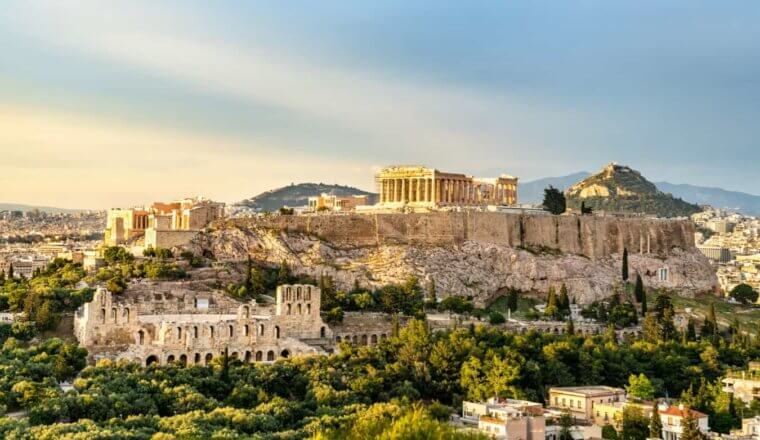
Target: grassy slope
749,318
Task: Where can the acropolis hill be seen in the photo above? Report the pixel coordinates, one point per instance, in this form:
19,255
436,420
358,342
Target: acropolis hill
471,253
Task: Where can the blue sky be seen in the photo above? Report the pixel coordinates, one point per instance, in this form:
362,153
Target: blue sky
117,104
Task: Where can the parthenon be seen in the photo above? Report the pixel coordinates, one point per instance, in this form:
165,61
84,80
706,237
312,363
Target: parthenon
428,187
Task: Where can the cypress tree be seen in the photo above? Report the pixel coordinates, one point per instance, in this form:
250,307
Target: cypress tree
644,305
691,331
710,326
655,424
10,271
625,264
638,290
248,279
512,300
563,303
689,428
551,304
570,326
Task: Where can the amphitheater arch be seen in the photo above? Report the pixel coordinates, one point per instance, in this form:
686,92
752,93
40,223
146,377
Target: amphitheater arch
247,357
209,358
259,356
270,355
285,354
141,337
277,332
170,359
152,359
364,339
322,332
373,339
197,359
183,359
338,339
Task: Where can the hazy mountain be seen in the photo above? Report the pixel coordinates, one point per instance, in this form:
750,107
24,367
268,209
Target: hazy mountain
533,191
618,188
25,208
720,198
298,195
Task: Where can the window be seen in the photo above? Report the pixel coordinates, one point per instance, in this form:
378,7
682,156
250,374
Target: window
277,332
141,337
179,333
663,274
308,309
232,331
261,330
195,332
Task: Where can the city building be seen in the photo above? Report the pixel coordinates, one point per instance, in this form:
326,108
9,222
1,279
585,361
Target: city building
744,385
417,186
672,421
329,202
506,418
612,413
716,253
23,266
161,224
750,428
581,401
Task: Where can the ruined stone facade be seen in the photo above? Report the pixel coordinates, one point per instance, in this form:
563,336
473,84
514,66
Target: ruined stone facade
162,224
175,322
430,188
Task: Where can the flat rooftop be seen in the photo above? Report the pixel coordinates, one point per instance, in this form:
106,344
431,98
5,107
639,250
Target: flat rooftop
589,390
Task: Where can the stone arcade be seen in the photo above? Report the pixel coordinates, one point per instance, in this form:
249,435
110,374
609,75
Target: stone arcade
156,326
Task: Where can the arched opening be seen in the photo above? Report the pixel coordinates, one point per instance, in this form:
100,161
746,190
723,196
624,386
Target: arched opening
232,331
211,331
259,356
245,330
322,332
170,359
261,330
338,339
183,359
284,354
197,359
209,357
270,355
383,336
308,309
289,309
298,293
113,314
179,333
364,339
277,332
152,359
298,309
247,356
234,355
354,340
373,339
103,315
125,314
195,332
246,311
141,337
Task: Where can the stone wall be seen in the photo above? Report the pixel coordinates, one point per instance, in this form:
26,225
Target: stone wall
589,236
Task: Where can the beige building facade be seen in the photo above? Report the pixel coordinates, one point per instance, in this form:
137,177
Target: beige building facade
329,202
162,224
581,401
429,187
744,385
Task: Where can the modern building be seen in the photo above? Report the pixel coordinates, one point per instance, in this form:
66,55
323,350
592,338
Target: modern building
506,419
417,186
581,401
744,385
672,418
612,413
23,266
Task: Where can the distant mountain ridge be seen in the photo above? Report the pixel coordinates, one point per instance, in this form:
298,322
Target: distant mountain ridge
298,195
27,208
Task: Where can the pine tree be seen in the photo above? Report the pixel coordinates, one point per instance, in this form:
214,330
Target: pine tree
248,280
638,290
689,428
625,264
512,300
655,424
668,329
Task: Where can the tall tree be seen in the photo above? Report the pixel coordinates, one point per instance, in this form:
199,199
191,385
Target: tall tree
554,200
710,326
552,310
563,302
638,290
283,275
689,428
655,424
625,264
640,387
512,300
570,326
644,305
691,331
635,425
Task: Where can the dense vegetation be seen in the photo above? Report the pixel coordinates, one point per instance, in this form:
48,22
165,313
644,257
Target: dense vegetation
362,389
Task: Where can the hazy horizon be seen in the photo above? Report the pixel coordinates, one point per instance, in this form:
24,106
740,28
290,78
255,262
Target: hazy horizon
109,106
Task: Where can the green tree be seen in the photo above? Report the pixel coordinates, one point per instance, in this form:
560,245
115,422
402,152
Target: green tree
283,274
638,290
655,424
570,330
512,297
691,331
640,387
744,293
634,426
710,326
690,430
554,200
625,264
651,329
563,302
644,305
496,318
551,309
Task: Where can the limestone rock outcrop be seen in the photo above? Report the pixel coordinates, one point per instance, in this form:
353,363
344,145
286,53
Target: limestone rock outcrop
472,254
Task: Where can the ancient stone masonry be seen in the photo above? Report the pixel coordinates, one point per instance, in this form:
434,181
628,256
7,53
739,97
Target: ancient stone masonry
477,254
171,322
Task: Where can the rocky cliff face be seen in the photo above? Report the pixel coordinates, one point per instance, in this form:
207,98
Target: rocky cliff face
480,260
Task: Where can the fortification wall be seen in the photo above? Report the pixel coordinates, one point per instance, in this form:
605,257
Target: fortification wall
591,236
